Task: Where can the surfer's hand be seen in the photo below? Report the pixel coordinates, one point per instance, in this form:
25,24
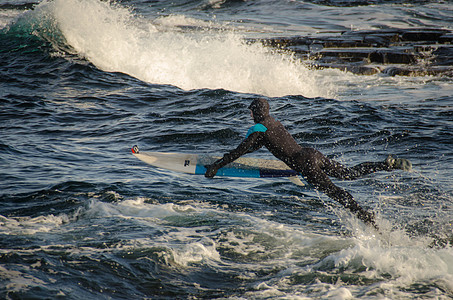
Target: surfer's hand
211,171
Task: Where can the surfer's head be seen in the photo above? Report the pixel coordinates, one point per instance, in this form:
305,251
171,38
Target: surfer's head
260,109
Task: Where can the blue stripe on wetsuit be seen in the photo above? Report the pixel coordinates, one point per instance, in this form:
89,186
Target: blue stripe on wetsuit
258,127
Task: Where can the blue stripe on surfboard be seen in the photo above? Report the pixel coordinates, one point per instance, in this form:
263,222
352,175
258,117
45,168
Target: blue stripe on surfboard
231,172
251,173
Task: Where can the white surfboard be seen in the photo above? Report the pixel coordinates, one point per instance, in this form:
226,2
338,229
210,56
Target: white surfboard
196,164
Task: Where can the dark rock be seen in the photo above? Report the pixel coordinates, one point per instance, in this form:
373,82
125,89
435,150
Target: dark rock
389,56
443,56
416,52
422,35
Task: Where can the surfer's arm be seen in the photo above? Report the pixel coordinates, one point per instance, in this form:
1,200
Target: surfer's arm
253,148
252,143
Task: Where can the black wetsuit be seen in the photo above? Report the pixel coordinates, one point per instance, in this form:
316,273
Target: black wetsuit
312,164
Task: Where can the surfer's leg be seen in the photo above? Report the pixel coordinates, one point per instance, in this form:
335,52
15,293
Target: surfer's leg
335,169
308,163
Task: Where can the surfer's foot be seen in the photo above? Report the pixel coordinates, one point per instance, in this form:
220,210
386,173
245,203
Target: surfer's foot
398,163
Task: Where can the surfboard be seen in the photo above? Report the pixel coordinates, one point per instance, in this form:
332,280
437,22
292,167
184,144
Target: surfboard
196,164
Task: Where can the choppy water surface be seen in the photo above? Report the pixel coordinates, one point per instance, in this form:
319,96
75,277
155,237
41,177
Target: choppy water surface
81,81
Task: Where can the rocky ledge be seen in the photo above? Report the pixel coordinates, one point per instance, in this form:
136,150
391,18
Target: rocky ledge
405,52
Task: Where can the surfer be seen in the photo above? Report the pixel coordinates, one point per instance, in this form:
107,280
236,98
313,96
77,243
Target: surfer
312,164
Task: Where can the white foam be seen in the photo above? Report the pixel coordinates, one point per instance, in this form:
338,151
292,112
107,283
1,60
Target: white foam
29,225
392,259
156,51
183,246
256,243
406,260
196,252
136,208
7,16
340,293
256,238
215,3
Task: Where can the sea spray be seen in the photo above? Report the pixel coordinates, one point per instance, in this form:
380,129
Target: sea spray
115,39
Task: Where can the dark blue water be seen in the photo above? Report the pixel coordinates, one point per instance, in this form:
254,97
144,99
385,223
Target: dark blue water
81,81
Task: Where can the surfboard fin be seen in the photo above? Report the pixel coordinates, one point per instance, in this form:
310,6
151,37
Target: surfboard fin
296,180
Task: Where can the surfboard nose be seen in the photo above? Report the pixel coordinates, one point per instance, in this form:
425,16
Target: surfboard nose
135,149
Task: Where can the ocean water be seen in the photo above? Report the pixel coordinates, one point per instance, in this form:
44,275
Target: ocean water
82,81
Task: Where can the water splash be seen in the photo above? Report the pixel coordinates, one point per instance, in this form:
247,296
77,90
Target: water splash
114,39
